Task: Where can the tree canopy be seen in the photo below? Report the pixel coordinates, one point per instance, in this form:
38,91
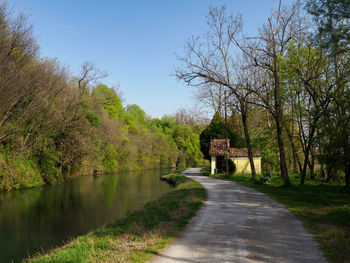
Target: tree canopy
216,130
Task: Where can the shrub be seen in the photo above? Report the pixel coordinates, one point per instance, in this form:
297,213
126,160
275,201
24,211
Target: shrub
221,164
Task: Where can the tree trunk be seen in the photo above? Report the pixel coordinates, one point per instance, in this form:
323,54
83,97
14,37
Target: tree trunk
307,152
283,165
303,173
295,154
278,115
278,118
329,171
247,139
347,175
295,163
311,165
323,173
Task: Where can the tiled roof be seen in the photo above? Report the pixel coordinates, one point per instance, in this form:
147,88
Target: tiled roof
217,148
243,152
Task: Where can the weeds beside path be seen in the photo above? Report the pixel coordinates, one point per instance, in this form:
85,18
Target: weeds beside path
136,237
324,208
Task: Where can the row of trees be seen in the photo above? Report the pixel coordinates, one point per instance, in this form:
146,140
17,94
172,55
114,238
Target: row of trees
54,125
295,72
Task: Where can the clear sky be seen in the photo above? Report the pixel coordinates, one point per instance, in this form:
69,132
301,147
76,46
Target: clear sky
134,41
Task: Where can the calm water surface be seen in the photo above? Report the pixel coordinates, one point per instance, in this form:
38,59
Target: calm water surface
39,219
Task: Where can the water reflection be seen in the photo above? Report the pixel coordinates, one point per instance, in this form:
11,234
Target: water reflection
38,219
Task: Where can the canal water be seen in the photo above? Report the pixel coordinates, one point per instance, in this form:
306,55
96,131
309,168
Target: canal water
38,219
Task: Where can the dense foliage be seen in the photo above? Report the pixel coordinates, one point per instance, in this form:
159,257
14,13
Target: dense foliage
54,125
288,86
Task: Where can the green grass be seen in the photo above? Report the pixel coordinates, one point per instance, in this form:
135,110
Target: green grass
139,235
324,208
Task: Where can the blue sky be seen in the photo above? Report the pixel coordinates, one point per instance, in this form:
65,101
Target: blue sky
134,41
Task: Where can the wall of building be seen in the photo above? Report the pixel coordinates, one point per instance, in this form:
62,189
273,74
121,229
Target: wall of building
213,164
243,165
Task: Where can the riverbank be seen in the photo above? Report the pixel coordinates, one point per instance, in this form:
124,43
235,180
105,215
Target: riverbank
323,208
136,237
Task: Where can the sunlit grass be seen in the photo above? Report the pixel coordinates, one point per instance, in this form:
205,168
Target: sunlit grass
139,235
324,208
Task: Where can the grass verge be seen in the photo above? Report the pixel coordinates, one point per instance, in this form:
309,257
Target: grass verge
139,235
324,208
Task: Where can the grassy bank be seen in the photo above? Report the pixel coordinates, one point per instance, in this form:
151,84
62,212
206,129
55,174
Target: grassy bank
324,208
139,235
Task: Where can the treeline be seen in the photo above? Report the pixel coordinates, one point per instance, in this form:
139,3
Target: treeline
289,85
54,126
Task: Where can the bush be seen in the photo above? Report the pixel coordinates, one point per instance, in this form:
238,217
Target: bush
19,172
231,167
221,165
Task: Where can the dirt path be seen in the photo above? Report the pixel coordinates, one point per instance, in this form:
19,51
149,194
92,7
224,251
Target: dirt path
239,224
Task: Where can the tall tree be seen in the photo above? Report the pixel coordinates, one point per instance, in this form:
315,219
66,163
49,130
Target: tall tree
211,97
266,52
333,30
310,93
213,62
332,35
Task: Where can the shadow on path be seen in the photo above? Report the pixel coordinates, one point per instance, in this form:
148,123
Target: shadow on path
239,224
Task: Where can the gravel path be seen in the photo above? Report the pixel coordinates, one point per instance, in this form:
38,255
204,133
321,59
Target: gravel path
239,224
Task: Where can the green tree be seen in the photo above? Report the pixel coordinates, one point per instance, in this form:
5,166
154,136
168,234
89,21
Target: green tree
334,137
216,130
53,125
135,114
333,28
110,159
188,142
333,34
307,93
110,101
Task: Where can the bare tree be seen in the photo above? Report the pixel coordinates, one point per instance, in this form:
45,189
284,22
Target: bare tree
266,51
211,97
191,117
213,62
89,75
